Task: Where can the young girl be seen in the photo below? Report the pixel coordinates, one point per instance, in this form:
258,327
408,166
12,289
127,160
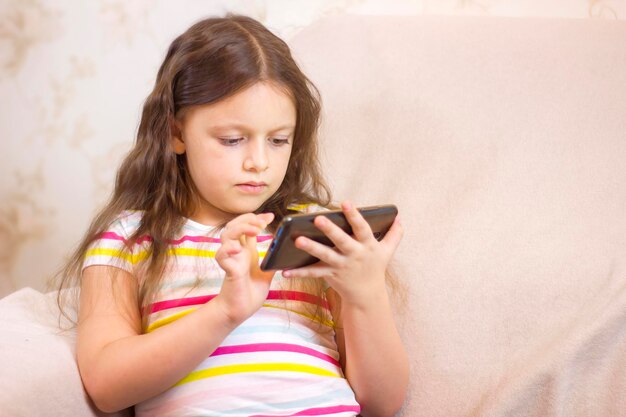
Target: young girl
176,318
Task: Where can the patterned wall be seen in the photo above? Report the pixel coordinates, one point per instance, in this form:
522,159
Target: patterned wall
73,76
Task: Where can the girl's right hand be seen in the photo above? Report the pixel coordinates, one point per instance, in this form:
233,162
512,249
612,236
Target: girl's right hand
245,286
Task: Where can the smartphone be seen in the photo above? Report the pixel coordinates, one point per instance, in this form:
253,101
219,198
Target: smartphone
283,254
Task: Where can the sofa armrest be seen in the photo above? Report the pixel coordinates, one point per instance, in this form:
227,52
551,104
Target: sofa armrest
38,371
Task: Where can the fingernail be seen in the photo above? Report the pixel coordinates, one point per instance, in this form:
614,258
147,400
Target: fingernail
286,274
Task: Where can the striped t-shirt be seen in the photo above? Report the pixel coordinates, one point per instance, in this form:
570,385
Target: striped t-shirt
280,362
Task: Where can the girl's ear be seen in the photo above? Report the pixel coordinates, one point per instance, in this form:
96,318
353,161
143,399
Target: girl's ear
176,136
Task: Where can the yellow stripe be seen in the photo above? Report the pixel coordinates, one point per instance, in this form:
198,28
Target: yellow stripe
117,253
255,367
167,320
133,259
192,252
201,253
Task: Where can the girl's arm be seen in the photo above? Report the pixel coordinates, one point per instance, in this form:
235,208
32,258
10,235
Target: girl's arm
373,357
375,361
120,366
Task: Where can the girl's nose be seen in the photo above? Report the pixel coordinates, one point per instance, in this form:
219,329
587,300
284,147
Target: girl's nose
257,158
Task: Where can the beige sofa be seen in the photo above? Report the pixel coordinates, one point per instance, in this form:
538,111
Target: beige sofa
503,143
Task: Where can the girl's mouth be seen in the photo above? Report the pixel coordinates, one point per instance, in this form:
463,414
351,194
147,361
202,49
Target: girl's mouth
252,187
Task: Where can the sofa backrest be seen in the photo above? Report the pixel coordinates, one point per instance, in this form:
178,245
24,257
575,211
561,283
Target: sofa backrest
503,143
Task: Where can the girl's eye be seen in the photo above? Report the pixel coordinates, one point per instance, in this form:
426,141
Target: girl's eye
230,141
279,141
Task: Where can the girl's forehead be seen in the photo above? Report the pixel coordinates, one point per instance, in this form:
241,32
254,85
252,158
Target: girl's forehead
262,104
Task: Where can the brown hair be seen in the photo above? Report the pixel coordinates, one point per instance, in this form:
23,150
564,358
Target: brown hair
214,59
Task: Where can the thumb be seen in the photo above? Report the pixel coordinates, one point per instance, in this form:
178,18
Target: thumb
394,235
249,243
255,269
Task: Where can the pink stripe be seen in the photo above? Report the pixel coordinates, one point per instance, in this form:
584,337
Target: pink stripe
115,236
298,296
321,411
273,295
186,238
274,347
180,302
200,239
197,239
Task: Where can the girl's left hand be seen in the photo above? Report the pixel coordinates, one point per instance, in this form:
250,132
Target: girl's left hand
355,267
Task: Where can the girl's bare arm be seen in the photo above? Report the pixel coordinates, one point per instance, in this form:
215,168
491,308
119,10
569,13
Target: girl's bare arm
373,357
120,366
375,361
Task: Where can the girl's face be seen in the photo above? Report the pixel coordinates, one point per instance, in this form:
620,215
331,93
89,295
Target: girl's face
237,150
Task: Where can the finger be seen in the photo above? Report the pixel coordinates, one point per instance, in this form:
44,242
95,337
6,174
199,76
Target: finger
394,235
234,239
229,248
261,220
319,270
360,227
342,241
249,218
250,245
236,230
258,220
320,251
256,272
266,218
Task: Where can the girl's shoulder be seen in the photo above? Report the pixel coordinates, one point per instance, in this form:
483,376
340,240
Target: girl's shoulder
126,223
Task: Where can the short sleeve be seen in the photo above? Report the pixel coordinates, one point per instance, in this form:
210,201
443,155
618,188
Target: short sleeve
307,208
112,247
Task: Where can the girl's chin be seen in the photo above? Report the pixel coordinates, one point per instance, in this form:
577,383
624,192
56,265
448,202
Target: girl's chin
211,214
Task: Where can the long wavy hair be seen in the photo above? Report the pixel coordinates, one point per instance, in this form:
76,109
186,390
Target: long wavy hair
214,59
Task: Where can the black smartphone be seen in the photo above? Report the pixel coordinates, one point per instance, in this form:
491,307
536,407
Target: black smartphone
283,254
